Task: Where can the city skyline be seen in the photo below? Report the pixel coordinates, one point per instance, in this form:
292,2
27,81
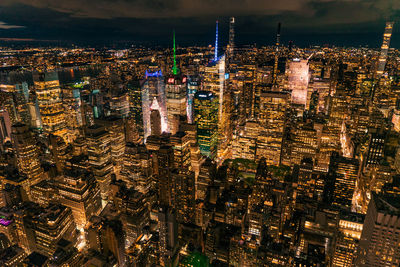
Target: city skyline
214,155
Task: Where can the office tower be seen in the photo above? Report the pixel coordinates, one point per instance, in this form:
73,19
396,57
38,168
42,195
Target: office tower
181,144
375,147
12,256
207,174
306,180
135,105
51,108
43,228
71,99
317,238
277,44
347,239
27,153
153,95
379,243
133,134
166,184
184,195
134,212
193,86
244,146
43,193
214,81
119,104
272,119
298,78
66,255
304,143
78,190
175,88
384,49
216,42
15,101
5,127
137,167
58,150
100,158
231,44
107,237
168,234
342,179
206,117
115,127
155,122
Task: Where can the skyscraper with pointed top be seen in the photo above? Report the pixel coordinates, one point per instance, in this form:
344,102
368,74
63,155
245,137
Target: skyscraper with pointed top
214,81
175,87
216,42
231,44
384,49
277,44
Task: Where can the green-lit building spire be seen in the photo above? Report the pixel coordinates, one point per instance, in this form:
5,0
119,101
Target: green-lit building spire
174,68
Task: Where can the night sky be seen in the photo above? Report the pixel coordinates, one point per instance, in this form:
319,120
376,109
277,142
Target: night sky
305,22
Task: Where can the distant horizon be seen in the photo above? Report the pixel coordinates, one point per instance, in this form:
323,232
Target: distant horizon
361,40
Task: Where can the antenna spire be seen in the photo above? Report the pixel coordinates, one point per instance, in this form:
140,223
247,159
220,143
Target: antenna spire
174,68
216,42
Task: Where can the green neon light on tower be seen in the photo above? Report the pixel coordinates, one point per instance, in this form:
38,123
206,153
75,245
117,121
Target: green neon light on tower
174,69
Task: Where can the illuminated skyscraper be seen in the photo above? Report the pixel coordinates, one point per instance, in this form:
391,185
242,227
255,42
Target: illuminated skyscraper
231,44
347,240
168,231
100,157
175,87
43,228
155,122
384,49
272,119
214,81
206,117
298,80
343,173
78,190
51,108
5,127
153,90
192,87
27,153
107,237
277,44
379,244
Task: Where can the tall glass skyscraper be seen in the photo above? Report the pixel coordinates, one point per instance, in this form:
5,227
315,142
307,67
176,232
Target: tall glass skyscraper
206,117
48,93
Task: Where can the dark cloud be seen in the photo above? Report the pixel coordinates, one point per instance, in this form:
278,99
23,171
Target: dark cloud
154,20
6,26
